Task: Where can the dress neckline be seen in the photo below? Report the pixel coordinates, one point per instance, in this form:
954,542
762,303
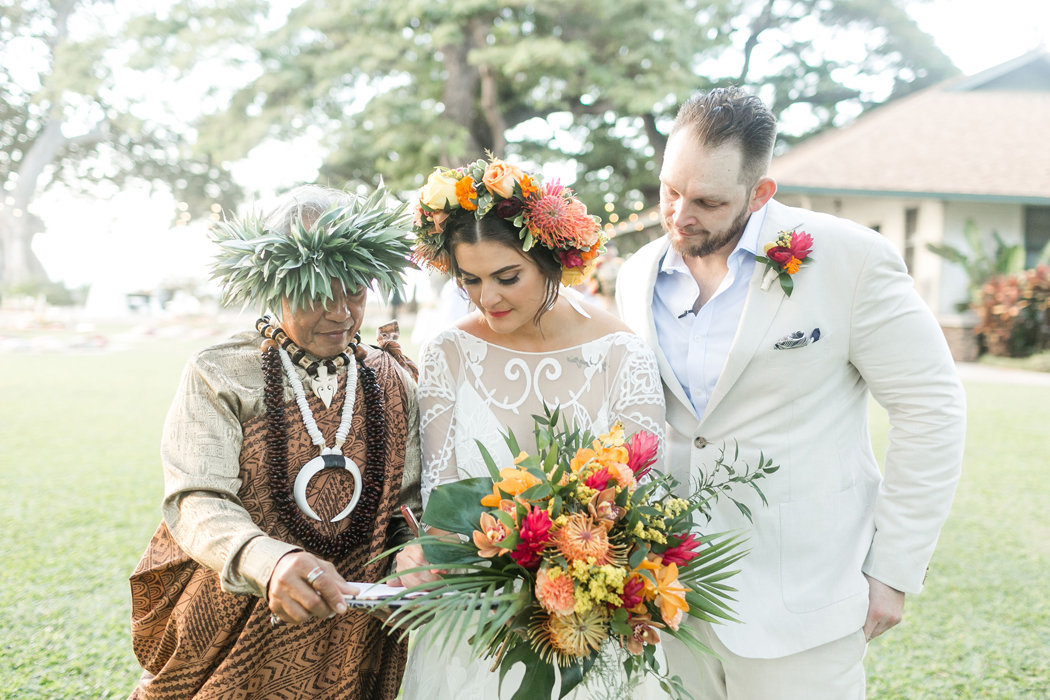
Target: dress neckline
543,352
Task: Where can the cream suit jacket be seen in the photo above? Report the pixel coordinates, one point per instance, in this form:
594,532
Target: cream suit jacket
831,516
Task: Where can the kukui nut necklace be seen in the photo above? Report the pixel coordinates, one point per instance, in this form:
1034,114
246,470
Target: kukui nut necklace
322,373
291,502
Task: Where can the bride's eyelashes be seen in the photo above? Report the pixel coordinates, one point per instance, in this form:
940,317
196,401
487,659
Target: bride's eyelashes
505,281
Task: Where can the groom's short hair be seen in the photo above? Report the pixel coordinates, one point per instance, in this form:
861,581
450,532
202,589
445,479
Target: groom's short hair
731,115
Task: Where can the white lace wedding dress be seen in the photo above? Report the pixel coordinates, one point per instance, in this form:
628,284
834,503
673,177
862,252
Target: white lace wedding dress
473,390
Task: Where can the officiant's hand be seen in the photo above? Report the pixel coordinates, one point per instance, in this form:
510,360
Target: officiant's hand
412,557
304,586
885,608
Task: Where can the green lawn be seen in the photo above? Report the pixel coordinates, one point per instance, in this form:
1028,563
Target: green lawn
80,490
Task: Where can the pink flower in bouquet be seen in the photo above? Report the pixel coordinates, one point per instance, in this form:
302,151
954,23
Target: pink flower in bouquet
641,451
632,597
682,552
534,536
599,479
491,535
554,591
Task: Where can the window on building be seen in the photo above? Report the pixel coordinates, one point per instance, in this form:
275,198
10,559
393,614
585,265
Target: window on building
911,227
1036,233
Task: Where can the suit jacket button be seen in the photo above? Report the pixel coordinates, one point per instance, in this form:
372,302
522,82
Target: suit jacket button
700,443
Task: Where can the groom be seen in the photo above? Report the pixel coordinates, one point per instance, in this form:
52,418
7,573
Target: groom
788,376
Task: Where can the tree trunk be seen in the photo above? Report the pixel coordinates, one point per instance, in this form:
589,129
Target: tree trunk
460,98
21,267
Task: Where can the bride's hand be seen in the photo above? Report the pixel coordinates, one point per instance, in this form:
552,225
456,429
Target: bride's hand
412,557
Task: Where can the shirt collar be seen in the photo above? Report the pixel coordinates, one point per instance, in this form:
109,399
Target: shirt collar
748,244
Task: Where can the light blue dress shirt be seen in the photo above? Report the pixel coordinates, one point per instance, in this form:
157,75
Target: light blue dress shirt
696,345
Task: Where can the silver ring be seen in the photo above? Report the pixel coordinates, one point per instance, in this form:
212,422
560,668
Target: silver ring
314,575
274,620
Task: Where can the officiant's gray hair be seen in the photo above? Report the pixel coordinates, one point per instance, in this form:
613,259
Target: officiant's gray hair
731,115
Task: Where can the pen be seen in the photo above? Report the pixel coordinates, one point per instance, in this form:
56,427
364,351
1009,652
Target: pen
410,518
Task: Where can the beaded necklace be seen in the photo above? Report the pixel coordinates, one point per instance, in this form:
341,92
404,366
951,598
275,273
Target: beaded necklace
322,373
368,487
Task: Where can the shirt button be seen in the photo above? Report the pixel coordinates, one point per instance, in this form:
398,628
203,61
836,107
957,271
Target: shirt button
700,443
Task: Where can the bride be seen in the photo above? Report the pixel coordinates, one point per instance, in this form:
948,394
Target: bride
527,344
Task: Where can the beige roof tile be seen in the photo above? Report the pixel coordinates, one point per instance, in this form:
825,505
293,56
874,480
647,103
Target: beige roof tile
960,141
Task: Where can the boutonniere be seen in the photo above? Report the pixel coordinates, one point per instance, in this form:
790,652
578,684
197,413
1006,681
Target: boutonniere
784,256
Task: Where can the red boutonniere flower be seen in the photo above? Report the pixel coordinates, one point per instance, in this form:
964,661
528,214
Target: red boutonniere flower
784,257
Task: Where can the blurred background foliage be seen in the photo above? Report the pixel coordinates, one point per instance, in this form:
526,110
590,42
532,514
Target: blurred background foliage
100,92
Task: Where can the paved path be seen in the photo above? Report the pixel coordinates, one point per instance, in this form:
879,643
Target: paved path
987,374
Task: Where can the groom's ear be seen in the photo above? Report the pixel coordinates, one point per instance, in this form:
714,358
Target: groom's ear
762,192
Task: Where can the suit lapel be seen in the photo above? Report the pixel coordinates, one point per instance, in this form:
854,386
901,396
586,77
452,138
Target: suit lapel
759,310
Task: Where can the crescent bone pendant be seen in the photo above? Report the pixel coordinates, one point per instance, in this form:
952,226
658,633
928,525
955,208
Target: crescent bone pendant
312,468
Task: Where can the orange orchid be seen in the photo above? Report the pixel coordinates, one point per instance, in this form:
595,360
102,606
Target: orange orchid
643,631
670,595
491,535
602,507
513,481
613,438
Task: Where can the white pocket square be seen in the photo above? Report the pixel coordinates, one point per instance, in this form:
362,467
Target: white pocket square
798,339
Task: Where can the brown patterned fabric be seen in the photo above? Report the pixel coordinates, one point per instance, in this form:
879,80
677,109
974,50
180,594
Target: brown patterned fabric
199,641
388,335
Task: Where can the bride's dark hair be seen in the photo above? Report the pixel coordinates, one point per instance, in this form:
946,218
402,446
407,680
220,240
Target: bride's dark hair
462,227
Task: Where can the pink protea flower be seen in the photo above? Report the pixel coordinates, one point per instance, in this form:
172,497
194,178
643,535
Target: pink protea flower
557,220
683,552
534,535
641,450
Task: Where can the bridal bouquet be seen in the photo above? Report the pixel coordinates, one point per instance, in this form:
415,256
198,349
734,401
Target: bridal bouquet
572,548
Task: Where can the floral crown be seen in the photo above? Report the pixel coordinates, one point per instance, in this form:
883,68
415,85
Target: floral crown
549,214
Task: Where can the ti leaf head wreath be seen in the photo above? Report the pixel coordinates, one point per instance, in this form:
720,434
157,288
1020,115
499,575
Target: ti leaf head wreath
354,242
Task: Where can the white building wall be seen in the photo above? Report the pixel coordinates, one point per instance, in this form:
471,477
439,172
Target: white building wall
942,284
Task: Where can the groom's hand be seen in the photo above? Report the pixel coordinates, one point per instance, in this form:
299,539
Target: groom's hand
885,608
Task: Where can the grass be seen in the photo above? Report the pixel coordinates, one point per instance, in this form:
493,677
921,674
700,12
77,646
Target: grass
80,491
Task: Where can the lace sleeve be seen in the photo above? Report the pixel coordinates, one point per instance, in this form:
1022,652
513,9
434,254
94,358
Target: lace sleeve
637,395
437,430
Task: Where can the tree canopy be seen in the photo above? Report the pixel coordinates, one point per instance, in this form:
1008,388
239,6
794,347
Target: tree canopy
66,118
391,89
394,89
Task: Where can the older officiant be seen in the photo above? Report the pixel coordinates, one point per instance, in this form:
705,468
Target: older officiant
286,453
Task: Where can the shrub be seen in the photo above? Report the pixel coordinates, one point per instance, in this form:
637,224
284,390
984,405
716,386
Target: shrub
1014,313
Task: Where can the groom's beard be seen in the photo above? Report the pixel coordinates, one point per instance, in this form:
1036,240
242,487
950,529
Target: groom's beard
702,242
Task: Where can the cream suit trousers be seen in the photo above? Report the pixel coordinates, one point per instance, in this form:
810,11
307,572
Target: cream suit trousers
832,671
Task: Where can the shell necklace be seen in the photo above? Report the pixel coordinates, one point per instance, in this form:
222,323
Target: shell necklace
329,456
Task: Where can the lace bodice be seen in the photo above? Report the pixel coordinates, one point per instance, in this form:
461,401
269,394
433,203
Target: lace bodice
471,390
